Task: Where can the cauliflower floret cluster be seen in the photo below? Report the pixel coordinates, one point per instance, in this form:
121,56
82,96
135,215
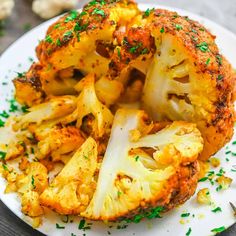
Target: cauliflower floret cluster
127,102
6,7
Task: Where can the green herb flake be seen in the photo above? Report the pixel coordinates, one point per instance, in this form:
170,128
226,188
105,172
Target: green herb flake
162,30
118,53
185,215
233,170
48,39
148,12
72,16
203,179
100,12
136,158
58,42
219,59
33,182
234,142
208,61
57,26
59,226
2,155
178,27
188,232
2,123
227,159
25,109
20,74
220,77
228,152
4,114
119,193
217,209
204,47
83,226
218,230
4,83
219,188
27,27
13,106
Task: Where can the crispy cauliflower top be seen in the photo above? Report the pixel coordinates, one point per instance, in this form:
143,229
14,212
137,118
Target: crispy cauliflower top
131,179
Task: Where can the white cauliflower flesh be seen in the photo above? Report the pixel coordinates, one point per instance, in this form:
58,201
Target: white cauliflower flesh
50,8
88,104
72,189
6,7
55,108
131,179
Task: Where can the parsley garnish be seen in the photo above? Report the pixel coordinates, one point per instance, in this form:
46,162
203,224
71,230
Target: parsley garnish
219,59
189,232
135,48
2,155
59,226
219,188
57,26
220,77
13,106
218,230
148,12
5,167
25,109
20,75
4,114
162,30
48,39
58,42
97,11
217,209
67,36
119,193
204,47
2,123
32,182
118,53
83,226
185,215
178,27
73,15
208,61
203,179
136,158
228,152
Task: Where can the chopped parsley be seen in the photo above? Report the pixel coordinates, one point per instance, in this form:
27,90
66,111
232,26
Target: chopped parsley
136,158
5,167
219,188
178,27
162,30
194,31
79,27
208,61
228,152
57,26
148,12
221,172
119,193
48,39
203,179
217,209
188,232
219,59
185,215
59,226
204,47
83,226
72,16
67,36
25,109
144,51
135,48
218,230
13,106
100,12
20,75
118,53
4,114
2,155
58,42
32,182
234,142
2,123
220,77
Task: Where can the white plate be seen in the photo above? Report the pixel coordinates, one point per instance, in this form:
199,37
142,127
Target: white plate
16,58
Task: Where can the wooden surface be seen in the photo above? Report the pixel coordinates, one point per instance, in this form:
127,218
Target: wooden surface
223,12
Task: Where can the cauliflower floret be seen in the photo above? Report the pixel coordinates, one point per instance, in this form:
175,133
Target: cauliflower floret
6,7
56,107
72,189
30,185
204,197
189,79
50,8
130,181
60,141
88,104
224,182
82,43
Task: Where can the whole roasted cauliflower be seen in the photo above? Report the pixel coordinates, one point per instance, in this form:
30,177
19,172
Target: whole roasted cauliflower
142,174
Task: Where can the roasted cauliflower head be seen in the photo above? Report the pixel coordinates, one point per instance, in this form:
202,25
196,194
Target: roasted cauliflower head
138,174
186,79
72,189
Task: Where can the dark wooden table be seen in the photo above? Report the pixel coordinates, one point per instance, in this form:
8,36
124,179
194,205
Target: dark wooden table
223,12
